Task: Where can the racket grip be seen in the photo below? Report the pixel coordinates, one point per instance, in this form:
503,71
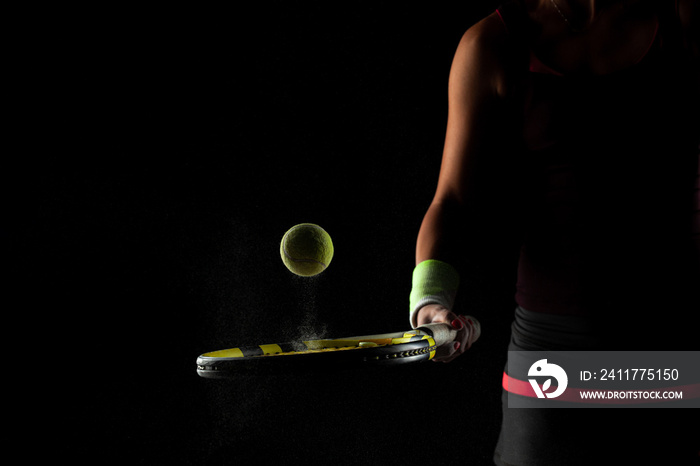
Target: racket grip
441,333
444,333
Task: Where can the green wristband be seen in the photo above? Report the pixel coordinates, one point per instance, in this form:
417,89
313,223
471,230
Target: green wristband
434,282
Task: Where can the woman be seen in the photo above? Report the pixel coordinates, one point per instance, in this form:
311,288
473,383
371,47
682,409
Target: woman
572,135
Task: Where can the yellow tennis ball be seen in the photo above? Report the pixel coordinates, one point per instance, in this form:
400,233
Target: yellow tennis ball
306,249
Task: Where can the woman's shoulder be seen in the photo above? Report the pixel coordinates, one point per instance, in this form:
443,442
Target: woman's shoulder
488,34
487,50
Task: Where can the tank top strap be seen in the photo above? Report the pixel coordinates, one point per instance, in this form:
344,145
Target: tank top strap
514,17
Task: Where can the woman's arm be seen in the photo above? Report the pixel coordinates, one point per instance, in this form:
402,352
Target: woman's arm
477,92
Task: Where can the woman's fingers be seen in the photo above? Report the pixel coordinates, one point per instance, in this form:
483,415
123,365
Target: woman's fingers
434,313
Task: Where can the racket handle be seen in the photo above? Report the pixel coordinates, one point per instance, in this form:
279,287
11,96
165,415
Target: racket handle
444,333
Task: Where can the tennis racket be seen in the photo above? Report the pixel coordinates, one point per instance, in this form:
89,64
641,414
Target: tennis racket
389,349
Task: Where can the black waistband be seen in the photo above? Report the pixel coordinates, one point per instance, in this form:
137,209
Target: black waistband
535,331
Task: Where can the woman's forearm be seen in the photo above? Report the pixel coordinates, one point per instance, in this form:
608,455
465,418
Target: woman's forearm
440,232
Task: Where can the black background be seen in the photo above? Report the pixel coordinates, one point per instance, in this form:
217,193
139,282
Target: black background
177,146
170,150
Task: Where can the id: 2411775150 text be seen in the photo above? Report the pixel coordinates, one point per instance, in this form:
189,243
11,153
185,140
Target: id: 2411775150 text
630,374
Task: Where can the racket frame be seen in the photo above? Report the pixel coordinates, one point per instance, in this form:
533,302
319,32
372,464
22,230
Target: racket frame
411,346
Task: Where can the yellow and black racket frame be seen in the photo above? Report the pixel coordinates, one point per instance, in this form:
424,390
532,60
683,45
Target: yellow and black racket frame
400,348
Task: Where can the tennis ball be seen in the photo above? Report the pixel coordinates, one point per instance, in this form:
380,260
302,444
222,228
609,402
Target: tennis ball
306,249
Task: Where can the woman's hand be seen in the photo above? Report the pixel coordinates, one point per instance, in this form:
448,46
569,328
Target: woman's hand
434,313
